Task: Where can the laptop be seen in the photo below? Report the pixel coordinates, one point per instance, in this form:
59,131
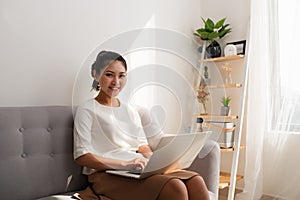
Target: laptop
172,153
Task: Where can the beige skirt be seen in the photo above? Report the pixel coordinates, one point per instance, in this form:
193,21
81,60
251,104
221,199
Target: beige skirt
107,186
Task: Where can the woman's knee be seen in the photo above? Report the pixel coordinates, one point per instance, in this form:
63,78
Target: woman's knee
174,189
197,182
197,188
198,179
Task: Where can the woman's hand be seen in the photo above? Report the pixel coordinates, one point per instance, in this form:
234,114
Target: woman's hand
137,164
145,150
101,163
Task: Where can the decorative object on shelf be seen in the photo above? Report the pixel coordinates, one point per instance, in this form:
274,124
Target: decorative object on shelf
202,97
211,32
226,131
214,50
206,76
227,68
199,122
230,50
225,106
240,46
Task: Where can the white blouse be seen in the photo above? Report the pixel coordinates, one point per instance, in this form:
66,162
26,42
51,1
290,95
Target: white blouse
111,132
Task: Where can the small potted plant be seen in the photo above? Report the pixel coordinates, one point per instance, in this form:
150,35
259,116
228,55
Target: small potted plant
211,32
225,106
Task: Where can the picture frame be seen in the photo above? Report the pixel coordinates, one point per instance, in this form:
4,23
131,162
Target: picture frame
240,46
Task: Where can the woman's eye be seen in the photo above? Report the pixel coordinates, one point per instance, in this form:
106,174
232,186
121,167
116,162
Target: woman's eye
122,75
109,75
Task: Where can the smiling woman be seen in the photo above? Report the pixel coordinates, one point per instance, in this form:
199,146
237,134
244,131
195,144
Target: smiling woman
108,134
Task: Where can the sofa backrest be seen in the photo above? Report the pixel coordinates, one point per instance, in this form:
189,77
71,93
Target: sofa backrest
36,152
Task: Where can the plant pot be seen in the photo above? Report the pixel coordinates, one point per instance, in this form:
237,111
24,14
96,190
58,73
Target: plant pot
225,139
224,111
213,50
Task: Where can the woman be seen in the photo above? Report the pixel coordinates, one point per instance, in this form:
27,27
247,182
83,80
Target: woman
108,134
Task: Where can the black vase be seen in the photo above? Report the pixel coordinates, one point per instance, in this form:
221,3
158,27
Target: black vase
213,50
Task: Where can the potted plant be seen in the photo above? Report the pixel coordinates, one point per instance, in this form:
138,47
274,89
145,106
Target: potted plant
225,106
211,32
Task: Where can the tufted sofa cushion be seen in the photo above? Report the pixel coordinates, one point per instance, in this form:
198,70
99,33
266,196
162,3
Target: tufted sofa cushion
36,152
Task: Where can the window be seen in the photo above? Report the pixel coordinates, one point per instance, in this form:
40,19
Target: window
287,117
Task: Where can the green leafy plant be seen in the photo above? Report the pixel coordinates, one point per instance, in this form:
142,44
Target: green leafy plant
225,101
213,31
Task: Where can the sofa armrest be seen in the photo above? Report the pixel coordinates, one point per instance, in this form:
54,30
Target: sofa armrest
207,164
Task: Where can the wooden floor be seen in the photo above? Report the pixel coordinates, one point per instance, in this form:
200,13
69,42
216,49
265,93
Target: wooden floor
224,192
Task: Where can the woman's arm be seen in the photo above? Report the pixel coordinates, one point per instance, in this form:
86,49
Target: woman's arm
145,150
100,163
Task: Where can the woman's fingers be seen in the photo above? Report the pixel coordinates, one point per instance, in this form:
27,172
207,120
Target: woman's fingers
140,164
142,161
137,164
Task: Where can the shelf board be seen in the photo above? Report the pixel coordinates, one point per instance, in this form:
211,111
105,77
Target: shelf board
231,149
224,58
234,85
218,117
225,179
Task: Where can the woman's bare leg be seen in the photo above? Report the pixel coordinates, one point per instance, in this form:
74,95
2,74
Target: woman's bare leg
197,189
174,189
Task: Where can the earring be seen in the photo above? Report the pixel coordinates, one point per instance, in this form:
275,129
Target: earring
96,85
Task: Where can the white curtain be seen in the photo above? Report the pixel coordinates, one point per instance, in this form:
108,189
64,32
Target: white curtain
272,120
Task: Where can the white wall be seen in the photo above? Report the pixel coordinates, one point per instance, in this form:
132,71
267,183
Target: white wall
44,43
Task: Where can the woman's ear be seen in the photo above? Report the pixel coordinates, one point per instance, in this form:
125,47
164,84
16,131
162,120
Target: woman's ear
95,75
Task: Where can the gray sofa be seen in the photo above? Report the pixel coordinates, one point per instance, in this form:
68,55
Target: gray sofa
36,145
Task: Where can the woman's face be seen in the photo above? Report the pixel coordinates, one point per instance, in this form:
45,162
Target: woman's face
113,79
